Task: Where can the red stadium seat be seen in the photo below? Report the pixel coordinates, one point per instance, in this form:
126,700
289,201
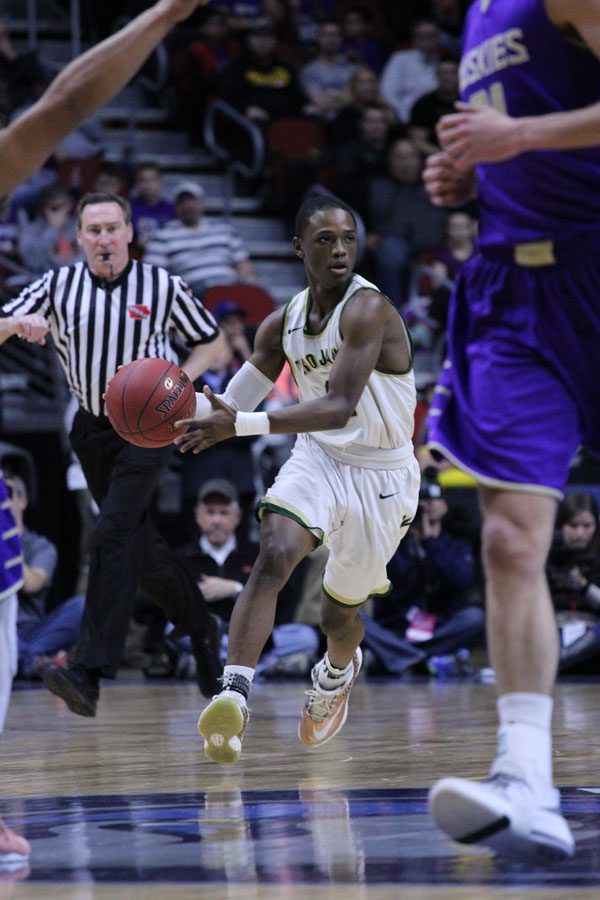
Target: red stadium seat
255,301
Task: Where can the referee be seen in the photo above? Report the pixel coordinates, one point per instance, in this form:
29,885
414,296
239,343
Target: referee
103,313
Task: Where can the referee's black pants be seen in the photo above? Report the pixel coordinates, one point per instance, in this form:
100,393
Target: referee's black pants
127,551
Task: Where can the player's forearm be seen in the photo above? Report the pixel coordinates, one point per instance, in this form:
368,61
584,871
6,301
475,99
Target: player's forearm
323,414
98,74
562,130
85,84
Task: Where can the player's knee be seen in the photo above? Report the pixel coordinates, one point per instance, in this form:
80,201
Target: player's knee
275,562
509,546
337,620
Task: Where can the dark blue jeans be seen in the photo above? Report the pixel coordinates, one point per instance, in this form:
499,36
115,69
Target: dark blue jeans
58,630
464,629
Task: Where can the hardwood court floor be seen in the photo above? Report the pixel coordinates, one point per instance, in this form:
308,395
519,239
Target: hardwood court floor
125,805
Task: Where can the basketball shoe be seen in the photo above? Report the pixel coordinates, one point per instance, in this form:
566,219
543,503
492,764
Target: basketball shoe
14,849
326,711
504,813
222,725
77,686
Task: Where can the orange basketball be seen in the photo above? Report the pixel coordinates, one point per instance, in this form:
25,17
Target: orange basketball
144,400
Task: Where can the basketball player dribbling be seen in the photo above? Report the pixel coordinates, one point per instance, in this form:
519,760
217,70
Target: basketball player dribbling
519,393
352,479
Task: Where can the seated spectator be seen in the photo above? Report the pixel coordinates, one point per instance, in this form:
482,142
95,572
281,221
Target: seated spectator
220,556
574,578
203,252
111,178
449,16
304,17
363,91
430,108
359,45
325,78
429,610
243,14
43,637
362,158
409,74
196,67
50,239
426,313
260,84
401,220
149,207
232,322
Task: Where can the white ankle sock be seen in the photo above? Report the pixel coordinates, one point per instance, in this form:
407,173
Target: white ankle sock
524,737
330,677
232,680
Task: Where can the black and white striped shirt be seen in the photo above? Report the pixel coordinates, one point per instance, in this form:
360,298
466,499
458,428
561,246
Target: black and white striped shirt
98,326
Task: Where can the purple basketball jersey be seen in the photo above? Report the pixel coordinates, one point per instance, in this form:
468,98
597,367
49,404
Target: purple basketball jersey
515,59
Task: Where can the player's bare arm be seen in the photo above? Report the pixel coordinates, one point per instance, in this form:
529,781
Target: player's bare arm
484,135
84,85
219,425
373,334
32,328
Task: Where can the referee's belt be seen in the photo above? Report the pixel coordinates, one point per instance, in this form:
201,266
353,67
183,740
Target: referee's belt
535,254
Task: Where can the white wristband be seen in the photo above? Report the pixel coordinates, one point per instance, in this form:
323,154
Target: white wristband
247,423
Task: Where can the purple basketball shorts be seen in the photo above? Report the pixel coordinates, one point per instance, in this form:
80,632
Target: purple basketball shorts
521,388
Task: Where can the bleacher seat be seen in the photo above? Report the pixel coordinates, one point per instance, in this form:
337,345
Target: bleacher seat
255,301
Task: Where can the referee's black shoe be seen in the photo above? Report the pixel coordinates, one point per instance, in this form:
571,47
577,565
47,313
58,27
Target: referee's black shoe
209,667
77,686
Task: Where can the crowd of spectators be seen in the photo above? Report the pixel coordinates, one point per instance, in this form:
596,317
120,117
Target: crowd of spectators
374,78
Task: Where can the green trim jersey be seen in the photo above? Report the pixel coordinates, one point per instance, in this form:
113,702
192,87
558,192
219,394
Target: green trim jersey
379,432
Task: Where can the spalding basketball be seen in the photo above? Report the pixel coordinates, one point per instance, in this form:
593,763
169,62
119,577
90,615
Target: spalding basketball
144,400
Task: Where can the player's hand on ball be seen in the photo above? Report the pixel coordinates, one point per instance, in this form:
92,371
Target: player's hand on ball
217,426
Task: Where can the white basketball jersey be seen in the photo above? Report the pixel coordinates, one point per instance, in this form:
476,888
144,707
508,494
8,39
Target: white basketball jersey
379,432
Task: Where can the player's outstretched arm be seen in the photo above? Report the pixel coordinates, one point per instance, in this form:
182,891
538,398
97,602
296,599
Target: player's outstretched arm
216,418
84,85
365,321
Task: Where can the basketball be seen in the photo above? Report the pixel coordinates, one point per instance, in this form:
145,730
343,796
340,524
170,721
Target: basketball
144,400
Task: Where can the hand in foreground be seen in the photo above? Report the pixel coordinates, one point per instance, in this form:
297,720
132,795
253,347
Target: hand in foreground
203,433
32,328
445,185
479,134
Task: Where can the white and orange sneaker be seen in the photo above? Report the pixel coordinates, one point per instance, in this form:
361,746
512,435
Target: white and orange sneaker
222,725
326,711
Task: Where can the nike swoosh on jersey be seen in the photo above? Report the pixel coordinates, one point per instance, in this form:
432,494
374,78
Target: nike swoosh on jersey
295,329
385,496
